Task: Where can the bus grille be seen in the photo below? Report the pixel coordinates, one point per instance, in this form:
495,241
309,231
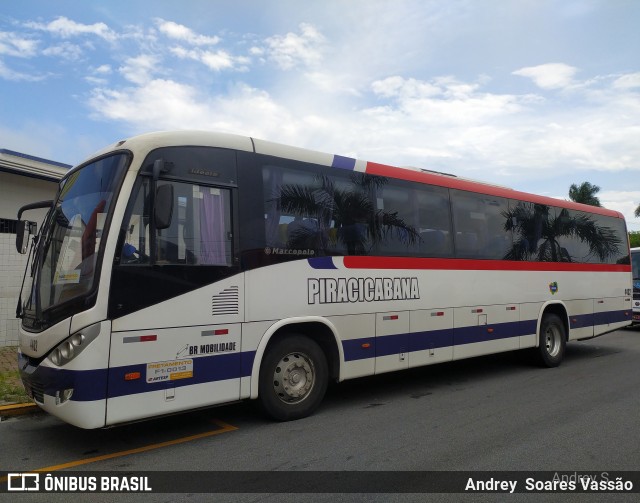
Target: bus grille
35,389
226,302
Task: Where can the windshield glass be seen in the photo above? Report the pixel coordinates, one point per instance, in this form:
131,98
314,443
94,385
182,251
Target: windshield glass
67,258
635,266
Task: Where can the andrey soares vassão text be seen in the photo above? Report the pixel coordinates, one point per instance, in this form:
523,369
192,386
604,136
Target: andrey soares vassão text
559,483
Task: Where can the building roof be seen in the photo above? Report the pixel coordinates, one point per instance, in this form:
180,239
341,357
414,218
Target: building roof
31,166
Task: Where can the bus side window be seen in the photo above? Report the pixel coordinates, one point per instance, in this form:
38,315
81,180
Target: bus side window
200,232
480,224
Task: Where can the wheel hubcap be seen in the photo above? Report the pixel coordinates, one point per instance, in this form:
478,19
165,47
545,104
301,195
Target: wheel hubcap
553,341
293,378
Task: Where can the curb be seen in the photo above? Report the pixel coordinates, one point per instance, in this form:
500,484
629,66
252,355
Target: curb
18,409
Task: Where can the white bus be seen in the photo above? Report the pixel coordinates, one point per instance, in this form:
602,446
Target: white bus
182,270
635,266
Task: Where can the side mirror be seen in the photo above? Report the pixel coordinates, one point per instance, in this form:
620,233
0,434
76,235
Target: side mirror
24,230
163,210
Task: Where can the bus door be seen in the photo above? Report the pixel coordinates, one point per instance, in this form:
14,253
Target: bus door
176,300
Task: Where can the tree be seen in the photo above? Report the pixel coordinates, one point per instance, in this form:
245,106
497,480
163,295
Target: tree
637,212
538,232
350,210
584,193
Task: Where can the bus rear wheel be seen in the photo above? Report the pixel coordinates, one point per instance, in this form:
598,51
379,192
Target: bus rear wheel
553,341
293,378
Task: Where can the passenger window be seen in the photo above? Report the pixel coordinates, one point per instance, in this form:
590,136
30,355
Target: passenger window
199,233
480,223
421,220
310,213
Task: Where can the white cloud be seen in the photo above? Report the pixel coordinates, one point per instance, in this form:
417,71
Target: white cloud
442,102
66,50
549,75
244,110
140,69
103,70
629,81
293,49
214,60
625,202
180,32
97,77
16,45
67,28
7,73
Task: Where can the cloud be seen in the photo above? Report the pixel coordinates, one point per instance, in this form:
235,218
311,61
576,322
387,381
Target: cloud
13,44
66,28
549,75
629,81
66,50
443,101
140,69
293,49
180,32
214,60
7,73
98,75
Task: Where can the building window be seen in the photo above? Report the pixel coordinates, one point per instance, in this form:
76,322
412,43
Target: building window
7,226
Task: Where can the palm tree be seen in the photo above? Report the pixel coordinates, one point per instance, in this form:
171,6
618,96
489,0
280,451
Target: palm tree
537,229
637,212
349,210
584,193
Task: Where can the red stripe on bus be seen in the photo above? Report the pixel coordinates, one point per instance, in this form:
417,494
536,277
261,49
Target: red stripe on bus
454,264
374,168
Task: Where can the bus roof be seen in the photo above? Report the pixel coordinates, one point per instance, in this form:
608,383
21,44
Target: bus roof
146,142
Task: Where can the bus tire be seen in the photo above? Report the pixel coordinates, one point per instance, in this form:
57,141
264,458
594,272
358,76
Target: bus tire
293,378
553,341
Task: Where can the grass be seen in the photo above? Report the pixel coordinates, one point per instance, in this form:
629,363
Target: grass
11,388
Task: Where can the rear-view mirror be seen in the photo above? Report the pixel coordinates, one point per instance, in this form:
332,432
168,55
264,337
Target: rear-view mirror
163,210
23,232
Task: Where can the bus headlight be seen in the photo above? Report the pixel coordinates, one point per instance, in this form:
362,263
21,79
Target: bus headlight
67,350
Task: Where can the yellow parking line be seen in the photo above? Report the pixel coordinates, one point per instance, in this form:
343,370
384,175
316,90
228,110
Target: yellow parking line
224,428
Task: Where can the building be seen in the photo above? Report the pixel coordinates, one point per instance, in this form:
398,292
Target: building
23,179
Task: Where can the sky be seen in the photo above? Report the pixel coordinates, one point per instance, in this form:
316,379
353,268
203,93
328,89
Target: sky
529,94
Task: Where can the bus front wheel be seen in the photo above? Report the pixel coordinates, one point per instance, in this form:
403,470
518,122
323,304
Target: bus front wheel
553,341
293,378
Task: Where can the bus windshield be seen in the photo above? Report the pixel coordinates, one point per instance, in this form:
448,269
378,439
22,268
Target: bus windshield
66,260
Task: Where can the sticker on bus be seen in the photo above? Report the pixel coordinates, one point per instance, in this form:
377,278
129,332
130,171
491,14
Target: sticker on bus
169,371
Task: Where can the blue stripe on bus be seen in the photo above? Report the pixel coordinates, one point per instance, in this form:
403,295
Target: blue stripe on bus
93,384
86,384
581,320
491,332
359,349
99,384
602,318
433,339
322,263
343,162
205,369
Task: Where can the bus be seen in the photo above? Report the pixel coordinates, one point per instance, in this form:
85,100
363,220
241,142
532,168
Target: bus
635,266
180,270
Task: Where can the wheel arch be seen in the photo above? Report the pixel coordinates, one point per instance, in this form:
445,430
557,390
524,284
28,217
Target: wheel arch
319,329
559,309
